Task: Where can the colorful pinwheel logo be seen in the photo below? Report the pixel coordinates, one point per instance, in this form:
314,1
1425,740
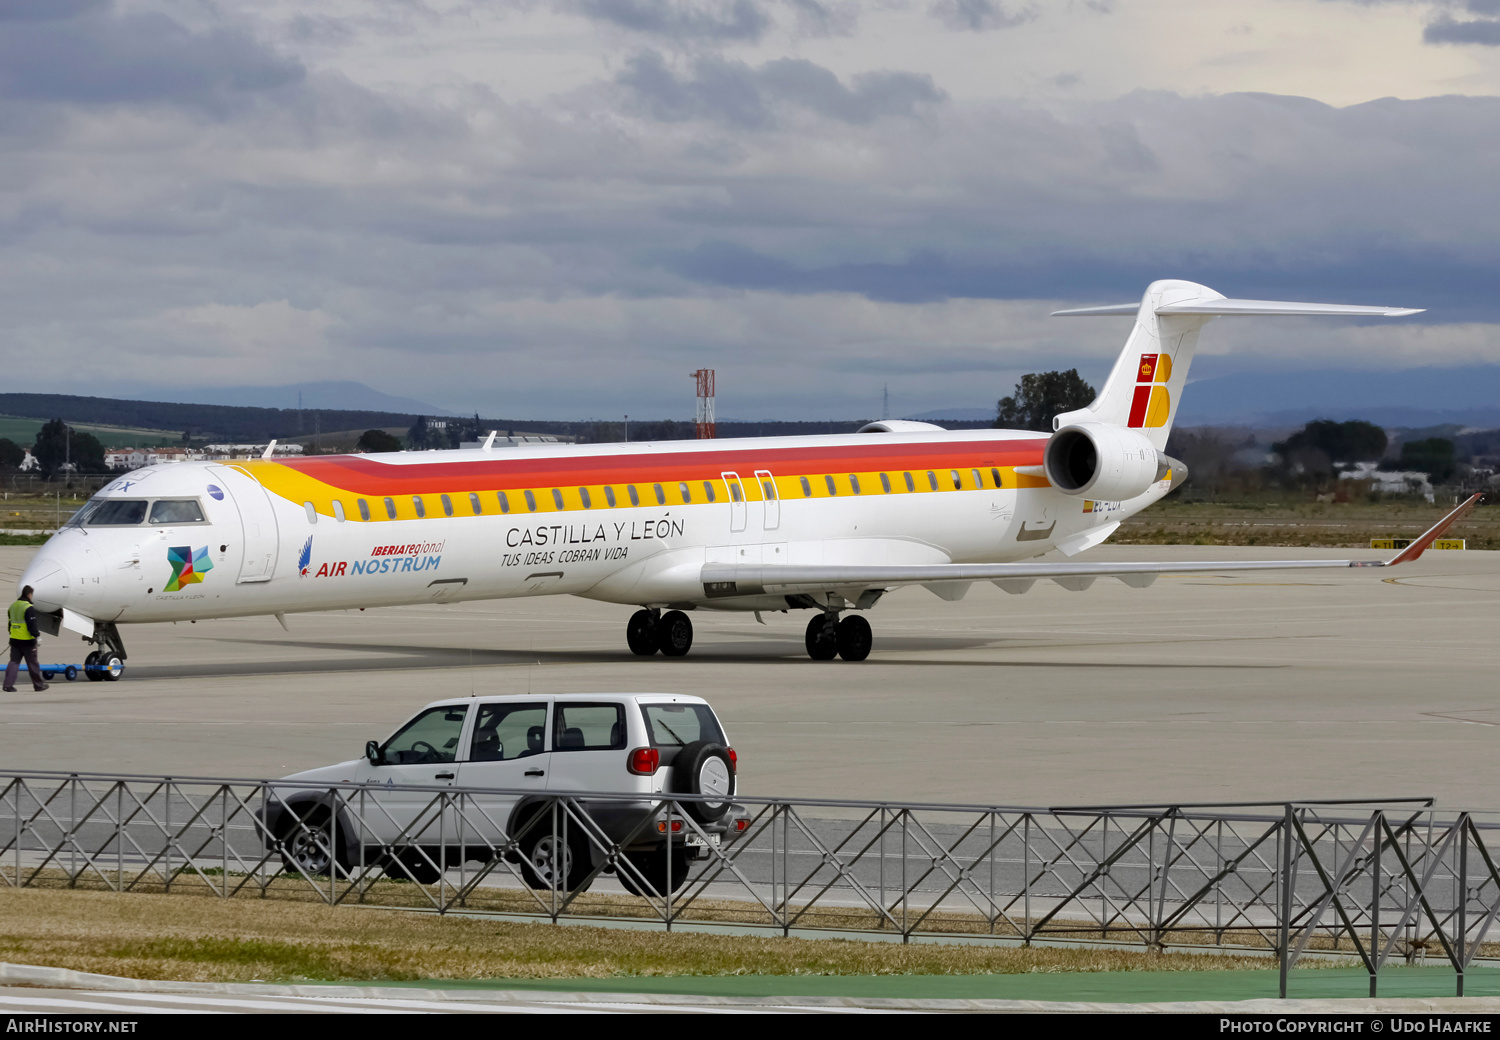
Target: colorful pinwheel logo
188,566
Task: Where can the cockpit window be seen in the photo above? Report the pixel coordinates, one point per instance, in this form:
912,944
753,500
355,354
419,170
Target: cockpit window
176,511
118,512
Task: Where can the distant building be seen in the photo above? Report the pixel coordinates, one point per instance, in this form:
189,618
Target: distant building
247,451
1390,482
125,459
518,439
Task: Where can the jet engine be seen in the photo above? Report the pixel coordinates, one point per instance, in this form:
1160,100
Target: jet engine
1101,461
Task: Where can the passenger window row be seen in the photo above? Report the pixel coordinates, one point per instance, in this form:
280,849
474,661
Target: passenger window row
685,494
975,481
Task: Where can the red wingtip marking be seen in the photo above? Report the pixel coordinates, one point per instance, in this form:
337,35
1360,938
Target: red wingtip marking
1418,547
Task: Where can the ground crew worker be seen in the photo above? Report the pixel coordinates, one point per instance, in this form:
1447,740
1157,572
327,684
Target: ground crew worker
24,634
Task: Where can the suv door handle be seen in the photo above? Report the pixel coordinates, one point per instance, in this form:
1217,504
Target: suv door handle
536,772
443,776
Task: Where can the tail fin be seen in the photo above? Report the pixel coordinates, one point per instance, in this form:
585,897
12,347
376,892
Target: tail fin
1144,388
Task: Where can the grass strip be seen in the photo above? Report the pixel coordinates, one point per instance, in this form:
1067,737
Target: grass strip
241,940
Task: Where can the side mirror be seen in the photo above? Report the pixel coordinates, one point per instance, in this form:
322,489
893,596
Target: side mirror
372,752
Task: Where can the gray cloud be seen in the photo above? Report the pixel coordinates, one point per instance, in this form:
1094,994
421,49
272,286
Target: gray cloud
1485,32
739,20
47,10
978,15
95,55
576,254
748,97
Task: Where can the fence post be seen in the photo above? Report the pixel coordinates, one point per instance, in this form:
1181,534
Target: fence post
1375,900
1463,896
994,914
883,836
1284,938
120,838
1026,877
905,891
72,828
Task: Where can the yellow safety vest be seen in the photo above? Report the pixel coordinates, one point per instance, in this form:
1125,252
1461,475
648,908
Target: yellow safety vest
18,629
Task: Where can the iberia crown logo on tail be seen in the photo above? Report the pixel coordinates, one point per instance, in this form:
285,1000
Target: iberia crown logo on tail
1152,404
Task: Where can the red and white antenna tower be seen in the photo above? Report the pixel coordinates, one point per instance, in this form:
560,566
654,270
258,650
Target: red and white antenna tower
704,419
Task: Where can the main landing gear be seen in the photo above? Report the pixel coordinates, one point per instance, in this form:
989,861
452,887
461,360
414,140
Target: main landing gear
828,637
107,663
650,630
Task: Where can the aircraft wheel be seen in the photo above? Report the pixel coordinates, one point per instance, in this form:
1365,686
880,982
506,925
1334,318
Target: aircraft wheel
855,638
822,638
640,633
674,633
111,667
91,669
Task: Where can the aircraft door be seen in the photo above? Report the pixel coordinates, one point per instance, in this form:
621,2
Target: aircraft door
257,524
770,499
736,492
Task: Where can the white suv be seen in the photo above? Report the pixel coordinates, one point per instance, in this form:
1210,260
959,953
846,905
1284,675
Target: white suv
526,748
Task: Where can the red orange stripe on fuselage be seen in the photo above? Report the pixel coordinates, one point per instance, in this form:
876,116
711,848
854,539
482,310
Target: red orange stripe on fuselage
362,475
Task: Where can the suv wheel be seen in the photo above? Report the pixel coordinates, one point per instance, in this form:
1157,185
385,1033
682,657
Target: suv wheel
541,859
313,845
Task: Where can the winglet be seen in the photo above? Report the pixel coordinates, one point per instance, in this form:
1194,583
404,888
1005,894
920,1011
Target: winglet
489,442
1418,547
270,449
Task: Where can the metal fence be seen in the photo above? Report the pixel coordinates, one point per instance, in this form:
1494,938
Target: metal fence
1364,880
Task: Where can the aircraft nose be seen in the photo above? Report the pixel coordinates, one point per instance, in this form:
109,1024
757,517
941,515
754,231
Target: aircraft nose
50,583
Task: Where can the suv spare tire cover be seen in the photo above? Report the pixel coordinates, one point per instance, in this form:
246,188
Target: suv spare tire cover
703,767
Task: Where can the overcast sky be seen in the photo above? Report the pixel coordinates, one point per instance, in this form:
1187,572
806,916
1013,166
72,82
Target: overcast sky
561,207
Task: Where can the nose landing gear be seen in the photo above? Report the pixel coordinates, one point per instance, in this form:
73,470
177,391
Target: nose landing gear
101,666
107,663
828,637
650,630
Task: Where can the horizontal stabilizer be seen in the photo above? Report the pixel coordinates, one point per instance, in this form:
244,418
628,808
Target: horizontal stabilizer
1121,309
1279,308
1246,308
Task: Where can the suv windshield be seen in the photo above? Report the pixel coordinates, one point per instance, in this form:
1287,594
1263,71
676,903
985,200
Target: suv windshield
676,725
118,512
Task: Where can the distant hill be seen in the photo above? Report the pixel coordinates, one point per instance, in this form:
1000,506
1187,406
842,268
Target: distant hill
330,396
202,421
244,424
1468,395
937,415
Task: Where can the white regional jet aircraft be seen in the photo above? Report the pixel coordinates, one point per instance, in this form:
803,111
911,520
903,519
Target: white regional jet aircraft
828,523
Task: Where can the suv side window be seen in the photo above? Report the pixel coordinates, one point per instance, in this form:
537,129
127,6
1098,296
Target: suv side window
588,727
507,731
430,737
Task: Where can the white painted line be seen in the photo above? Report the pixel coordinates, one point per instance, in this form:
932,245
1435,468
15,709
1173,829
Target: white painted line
22,1004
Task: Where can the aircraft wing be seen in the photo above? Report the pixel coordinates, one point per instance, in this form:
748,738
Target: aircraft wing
950,580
